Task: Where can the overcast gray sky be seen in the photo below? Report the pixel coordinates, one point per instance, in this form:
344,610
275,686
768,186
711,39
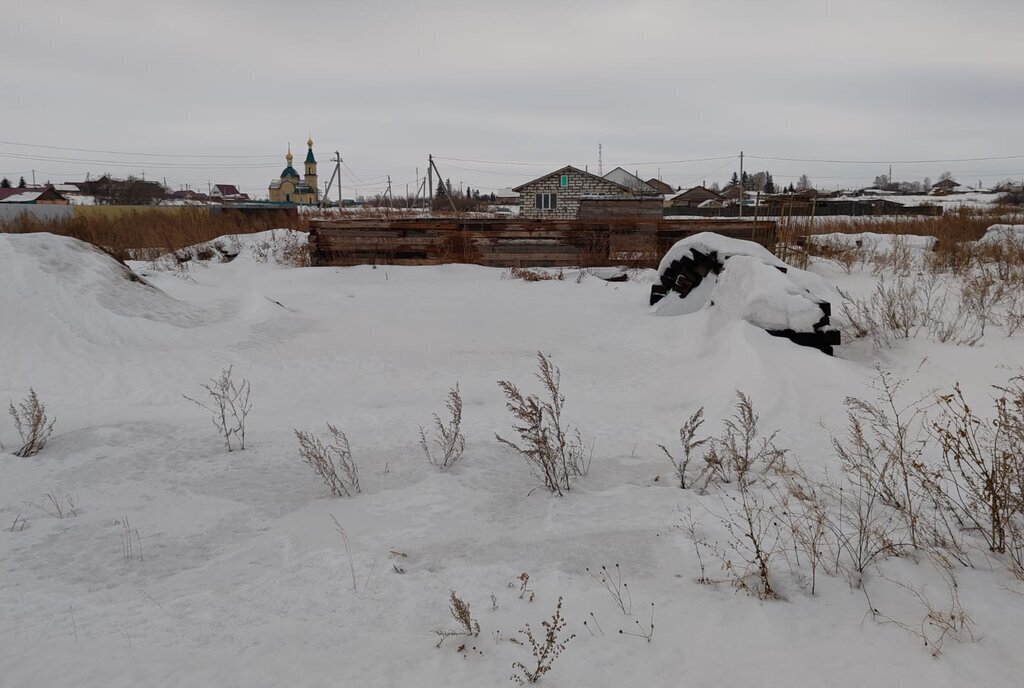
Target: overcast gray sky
526,81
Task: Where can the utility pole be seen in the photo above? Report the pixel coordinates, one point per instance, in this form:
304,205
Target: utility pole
447,192
600,162
429,195
33,177
741,185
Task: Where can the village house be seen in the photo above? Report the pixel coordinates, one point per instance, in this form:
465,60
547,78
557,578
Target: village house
33,196
227,192
632,182
557,195
694,198
660,186
945,187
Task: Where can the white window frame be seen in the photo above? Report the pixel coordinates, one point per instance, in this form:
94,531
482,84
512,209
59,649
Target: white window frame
546,201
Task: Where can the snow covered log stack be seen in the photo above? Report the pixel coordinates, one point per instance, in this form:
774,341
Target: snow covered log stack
743,280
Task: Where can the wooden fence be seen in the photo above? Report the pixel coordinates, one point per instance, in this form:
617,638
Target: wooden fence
511,242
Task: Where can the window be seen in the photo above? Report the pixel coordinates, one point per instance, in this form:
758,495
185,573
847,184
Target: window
546,201
563,181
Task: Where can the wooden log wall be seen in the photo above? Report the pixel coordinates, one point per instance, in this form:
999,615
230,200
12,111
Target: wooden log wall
510,242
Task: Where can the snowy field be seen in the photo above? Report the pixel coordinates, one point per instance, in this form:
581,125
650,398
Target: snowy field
239,577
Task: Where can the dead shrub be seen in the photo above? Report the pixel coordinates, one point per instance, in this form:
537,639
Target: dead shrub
229,405
687,438
448,437
468,626
533,275
552,448
983,469
741,448
544,652
33,425
333,461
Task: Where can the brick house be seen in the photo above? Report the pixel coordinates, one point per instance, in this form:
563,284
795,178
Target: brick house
557,195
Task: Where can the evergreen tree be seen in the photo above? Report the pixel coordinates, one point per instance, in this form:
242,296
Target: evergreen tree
441,190
735,179
448,186
5,183
21,183
769,183
745,180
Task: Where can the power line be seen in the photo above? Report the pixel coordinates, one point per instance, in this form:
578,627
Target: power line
134,163
886,162
153,155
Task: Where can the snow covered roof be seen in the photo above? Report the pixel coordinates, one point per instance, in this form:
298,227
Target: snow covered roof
23,197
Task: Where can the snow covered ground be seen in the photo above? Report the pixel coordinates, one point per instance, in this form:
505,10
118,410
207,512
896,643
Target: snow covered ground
238,576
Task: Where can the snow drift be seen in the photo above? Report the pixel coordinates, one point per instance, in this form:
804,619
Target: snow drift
997,234
59,291
742,280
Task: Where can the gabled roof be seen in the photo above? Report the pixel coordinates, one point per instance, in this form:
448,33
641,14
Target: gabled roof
227,189
699,191
660,186
569,168
29,195
630,181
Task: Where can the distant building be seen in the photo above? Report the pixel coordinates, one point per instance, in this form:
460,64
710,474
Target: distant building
695,197
33,196
227,192
944,187
290,188
506,197
632,182
557,195
660,186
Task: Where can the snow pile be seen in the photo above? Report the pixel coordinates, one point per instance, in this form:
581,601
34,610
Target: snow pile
997,234
742,280
725,247
873,242
747,289
59,293
281,246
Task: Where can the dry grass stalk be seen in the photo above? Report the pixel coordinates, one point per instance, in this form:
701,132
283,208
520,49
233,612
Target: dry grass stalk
616,587
740,448
544,652
229,405
33,425
552,449
63,507
448,438
983,464
533,275
468,626
687,438
333,461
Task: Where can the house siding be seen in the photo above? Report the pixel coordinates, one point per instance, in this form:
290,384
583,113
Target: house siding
567,205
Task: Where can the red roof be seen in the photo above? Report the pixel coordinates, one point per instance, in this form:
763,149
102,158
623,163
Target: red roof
227,189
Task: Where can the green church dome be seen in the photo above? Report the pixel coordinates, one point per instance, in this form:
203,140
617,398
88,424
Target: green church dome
289,172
